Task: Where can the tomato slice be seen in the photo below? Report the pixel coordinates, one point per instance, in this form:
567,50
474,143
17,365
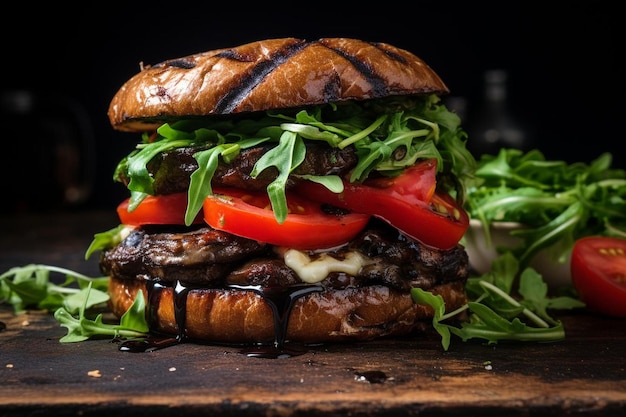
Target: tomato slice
162,209
598,268
249,214
408,202
416,184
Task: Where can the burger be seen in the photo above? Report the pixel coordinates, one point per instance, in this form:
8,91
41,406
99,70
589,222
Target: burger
288,190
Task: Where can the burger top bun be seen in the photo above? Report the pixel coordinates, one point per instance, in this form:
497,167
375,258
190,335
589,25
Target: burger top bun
268,74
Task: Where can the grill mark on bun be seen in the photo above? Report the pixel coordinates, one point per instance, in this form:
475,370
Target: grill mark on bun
379,86
391,54
332,89
178,63
233,98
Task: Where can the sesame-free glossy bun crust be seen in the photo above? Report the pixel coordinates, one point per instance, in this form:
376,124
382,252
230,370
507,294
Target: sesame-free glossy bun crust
235,316
268,74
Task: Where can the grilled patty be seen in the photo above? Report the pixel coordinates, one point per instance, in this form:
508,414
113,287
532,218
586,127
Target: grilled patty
171,170
210,258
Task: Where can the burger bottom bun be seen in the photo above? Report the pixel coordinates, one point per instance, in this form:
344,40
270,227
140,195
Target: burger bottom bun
238,317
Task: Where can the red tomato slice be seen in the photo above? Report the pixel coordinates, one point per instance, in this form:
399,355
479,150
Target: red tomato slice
416,184
249,215
407,202
162,209
598,269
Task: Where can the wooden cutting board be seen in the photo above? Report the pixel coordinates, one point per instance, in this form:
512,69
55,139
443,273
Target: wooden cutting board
585,374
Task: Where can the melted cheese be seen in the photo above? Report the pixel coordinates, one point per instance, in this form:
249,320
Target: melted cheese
313,271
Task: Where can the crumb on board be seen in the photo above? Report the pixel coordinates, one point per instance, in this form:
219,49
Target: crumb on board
94,374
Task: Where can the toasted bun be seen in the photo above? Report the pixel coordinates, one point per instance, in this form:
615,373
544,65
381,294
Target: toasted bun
269,74
236,316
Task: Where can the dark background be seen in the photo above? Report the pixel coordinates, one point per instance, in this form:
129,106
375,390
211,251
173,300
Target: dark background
564,65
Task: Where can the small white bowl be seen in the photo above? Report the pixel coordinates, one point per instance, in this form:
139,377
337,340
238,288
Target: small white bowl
556,274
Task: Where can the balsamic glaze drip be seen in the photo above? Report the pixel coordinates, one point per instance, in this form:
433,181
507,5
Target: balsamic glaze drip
280,299
148,344
373,377
180,309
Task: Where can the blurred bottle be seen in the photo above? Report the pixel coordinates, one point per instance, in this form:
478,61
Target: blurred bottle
493,125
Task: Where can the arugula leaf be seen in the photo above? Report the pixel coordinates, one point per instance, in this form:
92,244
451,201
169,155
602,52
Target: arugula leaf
493,328
30,287
492,313
132,324
106,240
332,182
439,306
534,292
311,132
285,157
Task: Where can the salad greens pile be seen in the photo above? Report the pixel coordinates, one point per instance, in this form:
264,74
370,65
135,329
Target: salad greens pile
388,134
557,202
